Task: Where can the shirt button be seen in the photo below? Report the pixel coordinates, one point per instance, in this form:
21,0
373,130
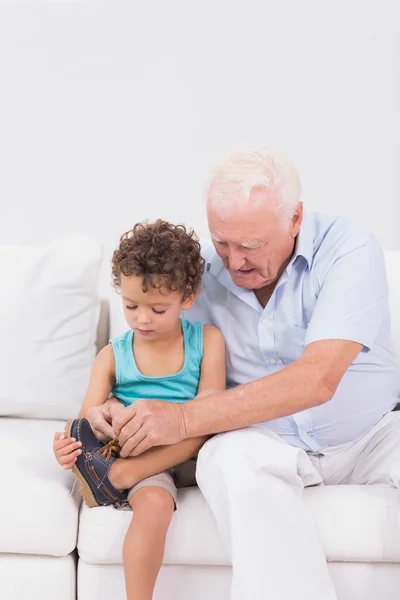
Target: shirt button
265,322
272,361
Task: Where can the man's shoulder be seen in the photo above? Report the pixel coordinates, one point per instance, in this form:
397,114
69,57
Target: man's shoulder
335,236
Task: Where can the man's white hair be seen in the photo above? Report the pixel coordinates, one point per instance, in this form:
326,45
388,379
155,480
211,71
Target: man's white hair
232,179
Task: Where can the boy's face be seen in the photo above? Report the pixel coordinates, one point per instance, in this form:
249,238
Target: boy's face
154,313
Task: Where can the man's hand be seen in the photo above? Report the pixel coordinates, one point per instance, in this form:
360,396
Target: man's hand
100,419
148,423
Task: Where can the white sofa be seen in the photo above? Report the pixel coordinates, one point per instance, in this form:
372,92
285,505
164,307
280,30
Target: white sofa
52,546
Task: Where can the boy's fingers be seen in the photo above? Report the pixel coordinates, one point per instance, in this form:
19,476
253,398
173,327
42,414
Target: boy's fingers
67,458
70,449
67,448
65,443
69,465
62,443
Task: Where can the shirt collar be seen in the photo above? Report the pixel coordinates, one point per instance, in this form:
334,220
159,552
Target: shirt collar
305,240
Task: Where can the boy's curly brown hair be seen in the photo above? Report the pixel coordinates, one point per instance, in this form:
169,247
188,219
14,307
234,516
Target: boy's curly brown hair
163,254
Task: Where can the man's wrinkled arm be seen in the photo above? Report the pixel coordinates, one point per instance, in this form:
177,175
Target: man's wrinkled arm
308,382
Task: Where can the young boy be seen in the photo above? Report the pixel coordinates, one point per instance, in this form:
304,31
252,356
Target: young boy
158,270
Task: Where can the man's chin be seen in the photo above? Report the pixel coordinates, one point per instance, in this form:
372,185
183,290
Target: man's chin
244,280
251,281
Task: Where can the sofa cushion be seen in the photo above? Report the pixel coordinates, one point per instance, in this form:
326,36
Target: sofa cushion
48,317
38,513
359,524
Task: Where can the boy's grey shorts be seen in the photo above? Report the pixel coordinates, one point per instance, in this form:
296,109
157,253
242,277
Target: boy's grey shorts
183,475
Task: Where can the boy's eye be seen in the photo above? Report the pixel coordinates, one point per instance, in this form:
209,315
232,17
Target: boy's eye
130,307
158,312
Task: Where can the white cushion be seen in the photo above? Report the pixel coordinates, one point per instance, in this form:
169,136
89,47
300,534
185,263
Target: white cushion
359,524
37,577
38,513
48,316
352,581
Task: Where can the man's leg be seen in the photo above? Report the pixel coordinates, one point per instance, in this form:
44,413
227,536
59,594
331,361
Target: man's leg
253,483
372,460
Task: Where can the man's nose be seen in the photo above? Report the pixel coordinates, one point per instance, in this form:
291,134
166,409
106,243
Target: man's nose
236,260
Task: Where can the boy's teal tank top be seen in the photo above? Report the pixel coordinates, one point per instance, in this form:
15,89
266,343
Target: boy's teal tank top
131,385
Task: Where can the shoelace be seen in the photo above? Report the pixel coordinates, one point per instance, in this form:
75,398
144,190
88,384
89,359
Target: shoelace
110,450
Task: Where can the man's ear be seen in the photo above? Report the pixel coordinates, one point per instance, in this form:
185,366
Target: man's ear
188,303
296,220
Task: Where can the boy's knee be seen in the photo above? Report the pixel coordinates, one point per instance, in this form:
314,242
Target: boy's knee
153,502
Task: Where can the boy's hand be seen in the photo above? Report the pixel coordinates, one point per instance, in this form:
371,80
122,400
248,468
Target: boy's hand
100,420
66,450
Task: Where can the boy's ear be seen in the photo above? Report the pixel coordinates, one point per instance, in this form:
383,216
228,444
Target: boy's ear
188,303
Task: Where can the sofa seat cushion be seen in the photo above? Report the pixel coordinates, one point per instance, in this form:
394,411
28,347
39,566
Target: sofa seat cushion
38,514
359,524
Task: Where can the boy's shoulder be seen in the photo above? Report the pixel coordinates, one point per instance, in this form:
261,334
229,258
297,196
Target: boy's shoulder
122,338
211,334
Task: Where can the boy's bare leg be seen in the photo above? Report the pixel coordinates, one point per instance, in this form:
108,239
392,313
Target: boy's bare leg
144,543
127,472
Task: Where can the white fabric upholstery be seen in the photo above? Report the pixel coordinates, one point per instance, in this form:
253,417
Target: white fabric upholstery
175,582
359,524
352,581
37,577
48,317
192,537
38,514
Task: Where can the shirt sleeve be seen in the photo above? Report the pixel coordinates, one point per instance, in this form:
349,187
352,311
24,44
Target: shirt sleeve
353,297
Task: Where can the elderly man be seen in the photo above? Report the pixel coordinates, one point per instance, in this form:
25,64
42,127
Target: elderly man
302,301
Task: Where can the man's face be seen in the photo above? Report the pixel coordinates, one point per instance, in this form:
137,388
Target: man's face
251,239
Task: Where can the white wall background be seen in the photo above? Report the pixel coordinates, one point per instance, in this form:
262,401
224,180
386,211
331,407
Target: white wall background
111,112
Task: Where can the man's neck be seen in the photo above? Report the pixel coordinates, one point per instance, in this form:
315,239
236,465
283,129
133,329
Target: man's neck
264,294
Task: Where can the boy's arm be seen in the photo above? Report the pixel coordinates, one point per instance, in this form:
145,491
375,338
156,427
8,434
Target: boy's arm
102,378
97,406
101,381
212,379
213,371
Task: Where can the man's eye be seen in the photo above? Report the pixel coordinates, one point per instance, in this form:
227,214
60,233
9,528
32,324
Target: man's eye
158,312
130,307
221,243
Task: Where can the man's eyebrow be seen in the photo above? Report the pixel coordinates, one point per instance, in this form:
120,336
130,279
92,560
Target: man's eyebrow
252,244
216,238
245,244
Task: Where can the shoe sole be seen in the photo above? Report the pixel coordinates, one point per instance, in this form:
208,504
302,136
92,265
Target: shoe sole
84,490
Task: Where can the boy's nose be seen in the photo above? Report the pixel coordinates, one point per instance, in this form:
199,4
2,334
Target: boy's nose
143,318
